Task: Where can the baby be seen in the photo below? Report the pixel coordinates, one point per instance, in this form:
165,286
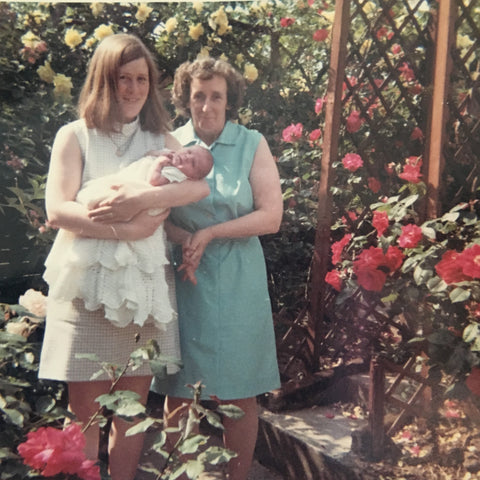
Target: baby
131,280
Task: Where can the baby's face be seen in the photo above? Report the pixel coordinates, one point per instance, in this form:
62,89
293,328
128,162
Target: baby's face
195,162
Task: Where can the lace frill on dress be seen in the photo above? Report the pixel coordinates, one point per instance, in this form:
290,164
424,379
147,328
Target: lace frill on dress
130,280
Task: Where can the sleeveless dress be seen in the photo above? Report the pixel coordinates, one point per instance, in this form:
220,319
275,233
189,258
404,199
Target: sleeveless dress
226,328
127,278
77,327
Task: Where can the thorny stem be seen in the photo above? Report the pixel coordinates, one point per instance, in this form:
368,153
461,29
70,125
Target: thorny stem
111,389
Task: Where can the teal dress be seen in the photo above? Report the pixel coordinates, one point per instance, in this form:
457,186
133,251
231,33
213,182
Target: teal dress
226,329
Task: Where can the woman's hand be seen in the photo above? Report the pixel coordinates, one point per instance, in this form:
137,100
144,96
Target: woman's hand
192,250
143,225
121,206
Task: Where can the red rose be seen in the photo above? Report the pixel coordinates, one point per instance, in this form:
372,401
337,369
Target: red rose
394,258
449,268
367,268
411,235
380,222
352,161
333,278
411,170
470,261
286,22
337,248
320,35
354,122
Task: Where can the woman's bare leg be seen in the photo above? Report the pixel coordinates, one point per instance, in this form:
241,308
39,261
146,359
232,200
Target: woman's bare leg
124,452
81,396
241,436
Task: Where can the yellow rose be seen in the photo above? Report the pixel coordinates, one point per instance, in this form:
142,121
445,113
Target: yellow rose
90,42
329,16
239,59
219,21
171,25
365,47
102,31
223,57
46,73
96,8
369,8
38,17
196,31
143,12
63,86
198,7
204,52
30,40
73,38
250,72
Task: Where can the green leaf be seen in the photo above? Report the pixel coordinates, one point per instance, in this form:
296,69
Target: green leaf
459,295
215,455
192,444
45,404
471,333
194,468
141,427
14,416
231,411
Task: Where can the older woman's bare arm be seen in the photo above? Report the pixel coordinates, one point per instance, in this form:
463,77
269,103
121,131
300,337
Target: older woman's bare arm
266,217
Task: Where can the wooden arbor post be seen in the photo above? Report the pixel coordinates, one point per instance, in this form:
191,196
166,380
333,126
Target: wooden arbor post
330,151
434,154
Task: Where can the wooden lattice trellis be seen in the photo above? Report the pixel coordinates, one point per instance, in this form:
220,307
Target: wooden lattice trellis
450,149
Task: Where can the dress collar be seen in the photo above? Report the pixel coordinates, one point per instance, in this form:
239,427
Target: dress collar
188,135
128,129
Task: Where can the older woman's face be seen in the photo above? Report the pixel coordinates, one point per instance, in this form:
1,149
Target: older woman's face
208,105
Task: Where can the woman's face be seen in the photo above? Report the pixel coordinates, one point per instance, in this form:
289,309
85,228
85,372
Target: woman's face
133,87
208,105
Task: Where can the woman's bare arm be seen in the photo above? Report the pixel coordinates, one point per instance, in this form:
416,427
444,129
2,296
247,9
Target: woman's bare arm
64,181
126,202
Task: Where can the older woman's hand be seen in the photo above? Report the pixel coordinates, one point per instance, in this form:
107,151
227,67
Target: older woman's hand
121,206
192,251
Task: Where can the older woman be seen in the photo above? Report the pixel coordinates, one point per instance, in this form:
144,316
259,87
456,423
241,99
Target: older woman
121,118
226,329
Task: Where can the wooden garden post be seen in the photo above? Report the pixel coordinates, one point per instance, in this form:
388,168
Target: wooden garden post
438,112
330,151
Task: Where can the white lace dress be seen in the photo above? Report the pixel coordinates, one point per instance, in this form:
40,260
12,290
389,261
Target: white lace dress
104,293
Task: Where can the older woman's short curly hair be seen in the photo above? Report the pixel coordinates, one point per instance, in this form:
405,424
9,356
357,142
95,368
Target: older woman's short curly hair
205,69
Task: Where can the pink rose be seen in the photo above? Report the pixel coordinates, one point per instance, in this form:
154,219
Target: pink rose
292,133
354,122
352,162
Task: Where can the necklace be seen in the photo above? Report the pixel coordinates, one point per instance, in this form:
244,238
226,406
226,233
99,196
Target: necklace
124,139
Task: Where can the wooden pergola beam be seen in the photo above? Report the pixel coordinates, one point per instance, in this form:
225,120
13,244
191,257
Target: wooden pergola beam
434,155
329,155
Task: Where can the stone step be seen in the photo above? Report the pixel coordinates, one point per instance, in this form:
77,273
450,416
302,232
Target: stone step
309,444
